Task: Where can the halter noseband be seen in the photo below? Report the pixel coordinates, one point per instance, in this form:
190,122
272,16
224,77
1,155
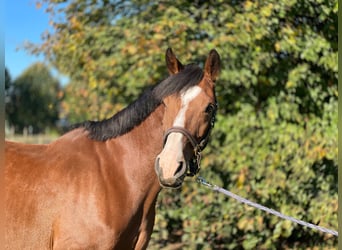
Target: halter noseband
194,164
195,161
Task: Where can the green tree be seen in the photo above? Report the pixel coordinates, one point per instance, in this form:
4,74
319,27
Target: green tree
267,47
34,100
8,79
275,140
8,84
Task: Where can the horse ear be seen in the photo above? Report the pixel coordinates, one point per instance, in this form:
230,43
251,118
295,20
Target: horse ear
213,65
173,65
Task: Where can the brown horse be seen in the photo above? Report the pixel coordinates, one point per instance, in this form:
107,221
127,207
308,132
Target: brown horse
96,186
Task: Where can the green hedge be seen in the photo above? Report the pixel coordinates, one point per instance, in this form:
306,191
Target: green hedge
288,166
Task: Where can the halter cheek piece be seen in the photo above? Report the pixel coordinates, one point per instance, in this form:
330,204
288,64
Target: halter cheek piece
194,164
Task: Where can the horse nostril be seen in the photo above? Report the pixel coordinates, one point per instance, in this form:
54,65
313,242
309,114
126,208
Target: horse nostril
180,170
157,167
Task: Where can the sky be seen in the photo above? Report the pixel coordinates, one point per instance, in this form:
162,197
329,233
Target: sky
23,22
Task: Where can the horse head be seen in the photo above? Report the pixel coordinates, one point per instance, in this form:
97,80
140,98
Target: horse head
188,118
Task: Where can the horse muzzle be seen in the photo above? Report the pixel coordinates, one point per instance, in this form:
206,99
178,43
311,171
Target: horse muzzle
173,179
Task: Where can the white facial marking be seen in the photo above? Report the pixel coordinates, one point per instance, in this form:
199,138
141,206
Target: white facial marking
186,98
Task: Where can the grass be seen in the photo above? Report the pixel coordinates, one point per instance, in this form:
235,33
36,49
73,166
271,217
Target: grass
32,139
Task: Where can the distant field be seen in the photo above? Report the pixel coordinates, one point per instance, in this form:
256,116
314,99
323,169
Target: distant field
33,139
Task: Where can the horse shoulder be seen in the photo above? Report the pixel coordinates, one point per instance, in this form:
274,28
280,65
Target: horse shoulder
95,196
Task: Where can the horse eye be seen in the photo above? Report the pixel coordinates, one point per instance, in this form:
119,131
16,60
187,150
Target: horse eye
210,108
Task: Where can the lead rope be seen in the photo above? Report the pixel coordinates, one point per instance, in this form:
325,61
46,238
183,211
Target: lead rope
202,181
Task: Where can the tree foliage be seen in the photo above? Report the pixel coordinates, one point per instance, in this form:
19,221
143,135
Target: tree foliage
33,100
275,140
8,79
8,83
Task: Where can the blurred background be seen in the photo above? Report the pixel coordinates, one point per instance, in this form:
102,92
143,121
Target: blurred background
275,138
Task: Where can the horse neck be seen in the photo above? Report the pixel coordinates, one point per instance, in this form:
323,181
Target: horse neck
142,145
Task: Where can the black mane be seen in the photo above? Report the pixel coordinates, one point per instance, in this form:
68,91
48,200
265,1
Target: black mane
135,113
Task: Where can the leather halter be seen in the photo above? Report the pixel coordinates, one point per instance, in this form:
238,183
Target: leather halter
194,164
